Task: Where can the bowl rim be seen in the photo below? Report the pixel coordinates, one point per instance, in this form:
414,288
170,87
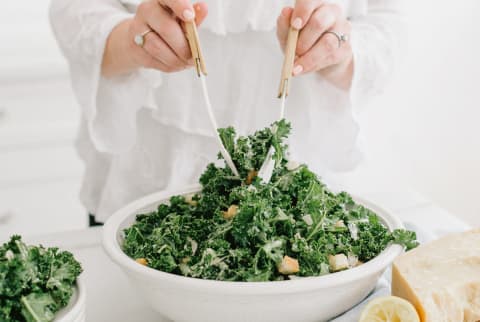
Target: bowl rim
78,308
114,251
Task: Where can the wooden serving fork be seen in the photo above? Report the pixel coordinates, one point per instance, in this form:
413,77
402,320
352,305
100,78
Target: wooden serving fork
194,43
266,170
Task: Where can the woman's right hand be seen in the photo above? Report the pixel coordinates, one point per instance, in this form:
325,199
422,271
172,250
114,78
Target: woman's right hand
165,49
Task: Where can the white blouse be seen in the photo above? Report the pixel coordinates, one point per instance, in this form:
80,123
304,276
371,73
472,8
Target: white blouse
148,131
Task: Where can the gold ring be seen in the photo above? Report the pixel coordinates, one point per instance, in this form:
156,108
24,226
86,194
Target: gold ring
140,38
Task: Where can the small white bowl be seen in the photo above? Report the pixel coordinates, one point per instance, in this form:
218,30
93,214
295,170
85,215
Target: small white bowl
76,309
185,299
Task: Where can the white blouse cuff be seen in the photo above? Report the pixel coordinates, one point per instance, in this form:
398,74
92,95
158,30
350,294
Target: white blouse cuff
365,81
110,105
377,50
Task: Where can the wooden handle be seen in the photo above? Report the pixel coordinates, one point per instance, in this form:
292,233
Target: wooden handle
194,42
290,49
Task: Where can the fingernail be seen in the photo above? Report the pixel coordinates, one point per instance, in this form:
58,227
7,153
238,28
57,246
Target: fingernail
297,70
297,23
188,14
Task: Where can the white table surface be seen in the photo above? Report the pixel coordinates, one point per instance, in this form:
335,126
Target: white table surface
110,297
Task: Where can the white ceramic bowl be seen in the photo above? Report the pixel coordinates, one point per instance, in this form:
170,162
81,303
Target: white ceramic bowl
75,310
184,299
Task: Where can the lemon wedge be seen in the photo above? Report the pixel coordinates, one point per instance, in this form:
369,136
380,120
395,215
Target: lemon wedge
389,309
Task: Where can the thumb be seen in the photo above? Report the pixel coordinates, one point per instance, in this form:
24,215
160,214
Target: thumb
283,24
201,11
181,8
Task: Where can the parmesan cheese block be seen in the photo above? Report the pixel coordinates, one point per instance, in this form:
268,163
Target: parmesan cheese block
442,278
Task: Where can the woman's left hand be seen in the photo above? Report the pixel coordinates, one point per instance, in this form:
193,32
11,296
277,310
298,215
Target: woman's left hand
320,47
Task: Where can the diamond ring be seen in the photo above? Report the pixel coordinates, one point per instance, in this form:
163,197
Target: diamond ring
140,38
341,37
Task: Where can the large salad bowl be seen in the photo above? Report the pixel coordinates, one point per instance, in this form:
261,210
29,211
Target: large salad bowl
186,299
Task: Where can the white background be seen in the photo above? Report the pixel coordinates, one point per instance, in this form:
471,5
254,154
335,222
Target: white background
423,131
426,128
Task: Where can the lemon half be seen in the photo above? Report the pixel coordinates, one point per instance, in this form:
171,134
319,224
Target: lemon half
389,309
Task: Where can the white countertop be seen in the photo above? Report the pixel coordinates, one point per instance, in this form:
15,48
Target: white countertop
110,297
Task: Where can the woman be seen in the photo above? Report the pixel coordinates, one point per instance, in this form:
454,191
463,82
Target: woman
144,127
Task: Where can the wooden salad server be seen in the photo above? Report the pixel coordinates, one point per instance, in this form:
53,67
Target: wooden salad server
201,69
266,170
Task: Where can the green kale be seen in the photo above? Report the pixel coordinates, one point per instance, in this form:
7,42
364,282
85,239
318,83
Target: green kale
248,153
240,229
35,282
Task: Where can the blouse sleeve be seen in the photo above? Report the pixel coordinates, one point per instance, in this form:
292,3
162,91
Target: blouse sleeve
377,41
109,106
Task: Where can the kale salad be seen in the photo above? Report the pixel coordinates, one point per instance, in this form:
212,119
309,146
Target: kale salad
35,282
241,229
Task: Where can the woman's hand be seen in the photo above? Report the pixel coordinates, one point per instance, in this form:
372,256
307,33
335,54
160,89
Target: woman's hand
318,49
165,48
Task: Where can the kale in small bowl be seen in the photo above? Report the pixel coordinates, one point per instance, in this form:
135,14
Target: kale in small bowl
35,282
